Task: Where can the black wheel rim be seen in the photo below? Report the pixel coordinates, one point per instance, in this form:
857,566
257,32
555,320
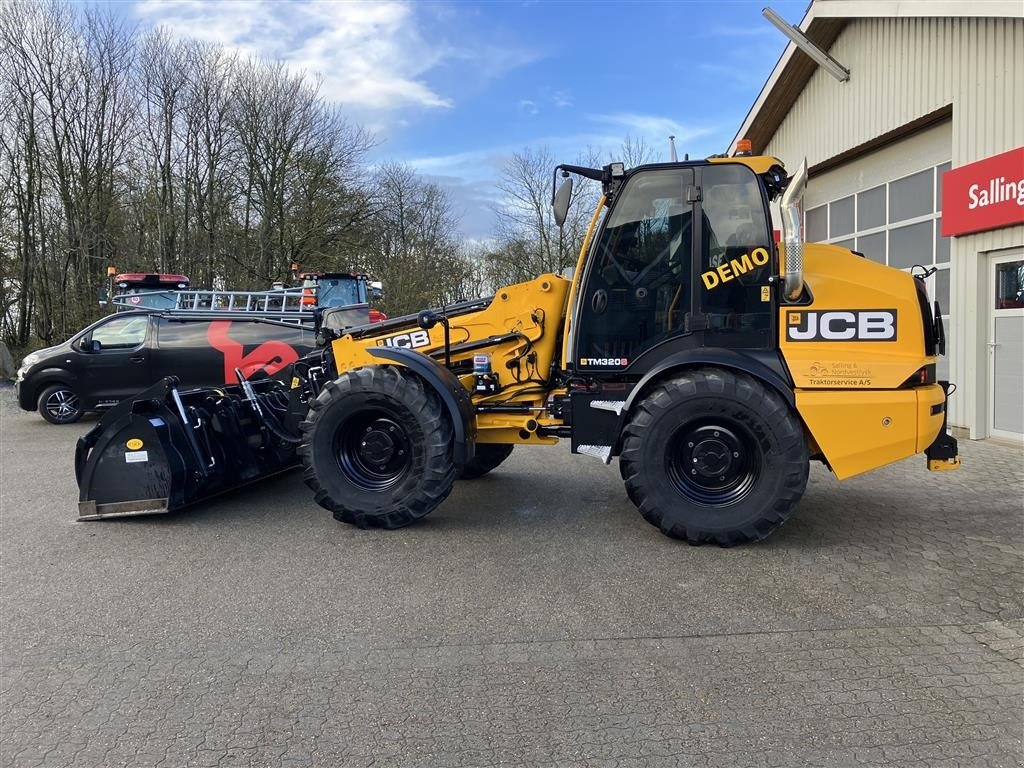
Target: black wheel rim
373,450
62,404
714,462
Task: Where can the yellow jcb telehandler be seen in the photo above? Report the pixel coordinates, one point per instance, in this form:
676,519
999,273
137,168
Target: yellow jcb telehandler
713,362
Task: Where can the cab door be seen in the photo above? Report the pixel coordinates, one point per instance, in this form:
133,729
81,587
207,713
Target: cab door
638,288
735,258
115,359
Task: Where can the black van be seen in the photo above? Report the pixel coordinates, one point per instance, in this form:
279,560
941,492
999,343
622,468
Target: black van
123,353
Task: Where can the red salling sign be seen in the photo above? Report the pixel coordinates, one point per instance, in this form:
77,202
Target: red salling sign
988,194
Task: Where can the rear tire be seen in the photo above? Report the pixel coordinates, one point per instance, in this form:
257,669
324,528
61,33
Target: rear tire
487,457
377,448
59,404
714,456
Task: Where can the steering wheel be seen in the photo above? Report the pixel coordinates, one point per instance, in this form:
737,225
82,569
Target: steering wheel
676,242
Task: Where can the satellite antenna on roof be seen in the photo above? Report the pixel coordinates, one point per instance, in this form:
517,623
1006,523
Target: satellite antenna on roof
672,149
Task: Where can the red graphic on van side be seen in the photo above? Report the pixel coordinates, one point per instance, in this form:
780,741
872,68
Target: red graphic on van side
271,356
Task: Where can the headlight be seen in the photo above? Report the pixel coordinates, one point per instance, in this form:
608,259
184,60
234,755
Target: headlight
27,363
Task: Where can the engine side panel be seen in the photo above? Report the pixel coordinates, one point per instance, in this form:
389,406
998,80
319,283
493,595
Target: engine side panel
850,352
862,329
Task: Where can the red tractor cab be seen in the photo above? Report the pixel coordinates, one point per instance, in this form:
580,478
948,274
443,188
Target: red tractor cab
139,290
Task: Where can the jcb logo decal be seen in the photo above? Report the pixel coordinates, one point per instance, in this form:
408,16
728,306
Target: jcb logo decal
841,325
413,340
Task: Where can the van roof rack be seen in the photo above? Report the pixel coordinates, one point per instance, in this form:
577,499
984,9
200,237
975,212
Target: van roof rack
290,305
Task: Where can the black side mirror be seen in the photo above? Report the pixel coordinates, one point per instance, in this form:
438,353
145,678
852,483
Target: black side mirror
90,345
560,204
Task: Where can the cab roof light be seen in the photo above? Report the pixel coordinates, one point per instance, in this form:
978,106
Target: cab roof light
744,148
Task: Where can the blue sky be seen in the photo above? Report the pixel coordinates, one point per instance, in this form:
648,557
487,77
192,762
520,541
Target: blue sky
453,88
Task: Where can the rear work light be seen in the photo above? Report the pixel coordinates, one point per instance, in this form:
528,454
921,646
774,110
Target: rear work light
920,377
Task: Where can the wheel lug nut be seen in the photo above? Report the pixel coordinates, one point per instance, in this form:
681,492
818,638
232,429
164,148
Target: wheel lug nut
690,445
694,461
722,477
716,434
735,454
693,471
363,443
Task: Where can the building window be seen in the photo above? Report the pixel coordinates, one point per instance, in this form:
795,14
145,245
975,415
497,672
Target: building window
910,245
816,224
912,196
840,217
871,208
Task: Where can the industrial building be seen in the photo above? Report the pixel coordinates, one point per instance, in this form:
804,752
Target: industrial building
916,156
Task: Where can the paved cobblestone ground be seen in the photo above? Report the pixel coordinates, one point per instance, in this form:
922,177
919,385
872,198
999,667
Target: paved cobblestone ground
535,619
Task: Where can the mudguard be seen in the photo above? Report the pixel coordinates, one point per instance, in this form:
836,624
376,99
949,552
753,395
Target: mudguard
448,387
720,358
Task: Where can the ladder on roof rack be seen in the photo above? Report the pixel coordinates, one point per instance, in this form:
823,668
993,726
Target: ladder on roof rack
290,305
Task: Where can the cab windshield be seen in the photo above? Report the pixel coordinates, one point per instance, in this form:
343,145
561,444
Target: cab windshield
340,291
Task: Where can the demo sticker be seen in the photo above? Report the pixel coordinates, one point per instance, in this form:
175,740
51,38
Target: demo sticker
135,457
134,444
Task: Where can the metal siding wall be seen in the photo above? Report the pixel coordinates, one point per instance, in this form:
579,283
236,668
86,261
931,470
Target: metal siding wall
898,73
902,69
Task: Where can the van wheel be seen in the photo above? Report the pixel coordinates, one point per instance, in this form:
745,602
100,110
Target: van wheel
714,456
487,457
58,404
377,448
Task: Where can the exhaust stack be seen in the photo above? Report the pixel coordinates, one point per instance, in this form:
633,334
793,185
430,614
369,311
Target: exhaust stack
793,281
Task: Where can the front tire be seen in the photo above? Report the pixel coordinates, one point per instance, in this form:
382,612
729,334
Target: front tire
59,404
377,448
487,457
714,456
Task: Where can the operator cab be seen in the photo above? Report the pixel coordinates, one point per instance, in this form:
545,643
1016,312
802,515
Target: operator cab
684,258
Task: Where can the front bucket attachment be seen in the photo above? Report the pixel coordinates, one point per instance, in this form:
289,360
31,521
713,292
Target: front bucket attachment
163,449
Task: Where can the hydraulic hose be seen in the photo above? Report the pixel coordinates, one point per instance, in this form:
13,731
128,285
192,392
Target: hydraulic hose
270,422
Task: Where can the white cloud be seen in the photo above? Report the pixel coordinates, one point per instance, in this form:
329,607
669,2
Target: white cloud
655,129
471,176
371,57
528,106
561,99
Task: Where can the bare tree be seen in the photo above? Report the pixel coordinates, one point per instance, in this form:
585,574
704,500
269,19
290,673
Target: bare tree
160,85
417,254
151,153
528,241
634,151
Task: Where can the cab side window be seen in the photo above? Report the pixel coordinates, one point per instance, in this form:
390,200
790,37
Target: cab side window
122,333
736,256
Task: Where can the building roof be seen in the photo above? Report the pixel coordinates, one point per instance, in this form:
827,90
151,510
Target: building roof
822,24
